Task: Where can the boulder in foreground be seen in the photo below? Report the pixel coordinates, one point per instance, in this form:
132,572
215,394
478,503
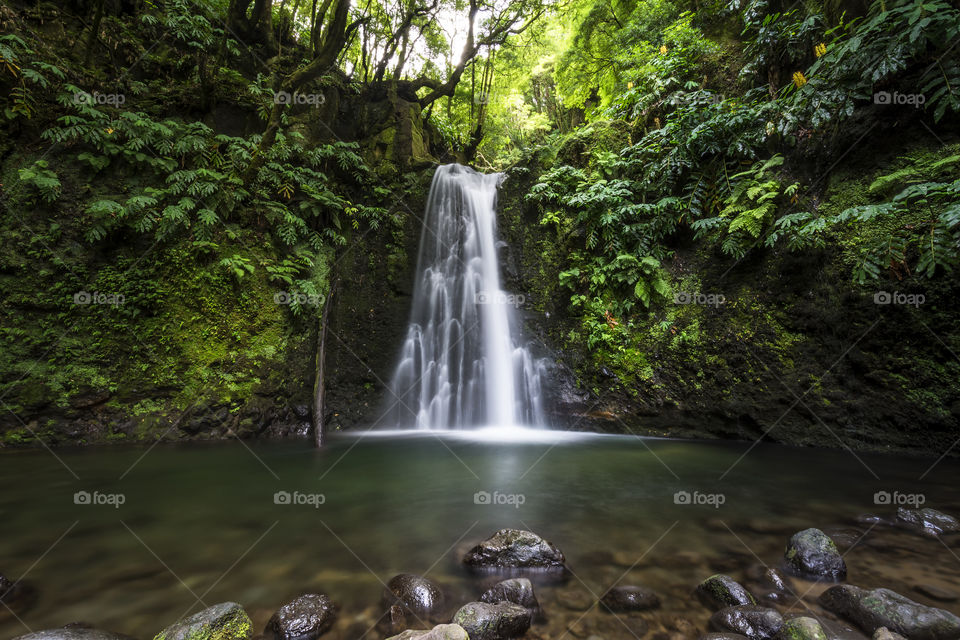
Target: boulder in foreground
875,608
501,621
306,618
225,621
811,554
515,549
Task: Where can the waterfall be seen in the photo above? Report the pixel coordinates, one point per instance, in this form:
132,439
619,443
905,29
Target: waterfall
463,362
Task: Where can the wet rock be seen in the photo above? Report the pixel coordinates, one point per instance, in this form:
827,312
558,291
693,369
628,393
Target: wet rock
872,609
926,521
416,593
885,634
73,633
439,632
485,621
802,628
937,593
225,621
629,598
769,584
776,580
813,555
306,618
396,619
18,597
515,549
720,591
757,623
516,590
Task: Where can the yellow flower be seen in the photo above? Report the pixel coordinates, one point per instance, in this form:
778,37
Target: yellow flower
663,49
629,85
109,131
820,49
799,79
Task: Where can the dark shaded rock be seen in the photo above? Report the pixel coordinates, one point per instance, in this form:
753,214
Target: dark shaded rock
802,628
812,554
225,621
720,591
516,590
630,598
485,621
306,618
872,609
416,593
757,623
19,597
439,632
73,633
926,521
515,549
937,593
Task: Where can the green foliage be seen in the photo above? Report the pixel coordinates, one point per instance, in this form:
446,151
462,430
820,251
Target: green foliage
20,73
42,179
193,178
917,230
908,39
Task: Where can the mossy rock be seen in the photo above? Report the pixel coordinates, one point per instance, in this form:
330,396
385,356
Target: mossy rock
225,621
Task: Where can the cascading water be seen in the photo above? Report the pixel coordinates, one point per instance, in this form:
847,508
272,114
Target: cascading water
463,363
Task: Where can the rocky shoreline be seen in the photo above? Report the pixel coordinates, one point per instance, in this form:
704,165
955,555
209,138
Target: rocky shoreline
526,589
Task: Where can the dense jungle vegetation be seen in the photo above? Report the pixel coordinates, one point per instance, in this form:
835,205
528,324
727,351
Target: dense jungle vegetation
696,191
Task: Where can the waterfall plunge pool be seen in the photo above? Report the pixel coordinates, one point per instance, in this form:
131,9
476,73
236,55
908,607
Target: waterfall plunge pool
246,522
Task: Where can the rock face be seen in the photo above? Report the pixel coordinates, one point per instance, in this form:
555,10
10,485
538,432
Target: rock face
723,636
515,549
485,621
757,623
439,632
929,522
416,593
626,599
225,621
872,609
73,634
516,590
802,628
306,618
885,634
720,591
811,554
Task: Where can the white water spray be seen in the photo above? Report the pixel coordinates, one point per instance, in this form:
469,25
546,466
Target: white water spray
463,363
